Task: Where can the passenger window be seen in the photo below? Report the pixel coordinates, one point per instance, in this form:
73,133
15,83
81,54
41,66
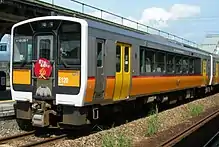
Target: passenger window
118,58
99,54
197,66
217,68
170,64
185,66
178,64
191,66
149,61
126,59
160,63
142,64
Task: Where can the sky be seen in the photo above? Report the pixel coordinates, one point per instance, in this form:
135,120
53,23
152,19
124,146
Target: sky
190,19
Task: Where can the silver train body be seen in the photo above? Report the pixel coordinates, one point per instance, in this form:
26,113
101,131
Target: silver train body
96,65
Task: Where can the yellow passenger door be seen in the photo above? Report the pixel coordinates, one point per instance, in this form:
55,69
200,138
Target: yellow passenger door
123,76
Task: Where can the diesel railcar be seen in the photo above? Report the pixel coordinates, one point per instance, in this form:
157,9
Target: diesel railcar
65,70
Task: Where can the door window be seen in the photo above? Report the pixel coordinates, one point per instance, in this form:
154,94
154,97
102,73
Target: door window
45,47
99,54
118,58
126,59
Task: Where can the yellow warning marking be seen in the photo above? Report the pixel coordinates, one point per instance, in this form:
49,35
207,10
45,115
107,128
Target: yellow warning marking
7,101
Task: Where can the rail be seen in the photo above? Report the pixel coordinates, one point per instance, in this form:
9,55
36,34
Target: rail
178,137
126,22
212,141
21,135
46,141
6,140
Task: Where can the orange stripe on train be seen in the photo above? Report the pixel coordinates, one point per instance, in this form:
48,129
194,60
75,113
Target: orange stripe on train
110,83
148,84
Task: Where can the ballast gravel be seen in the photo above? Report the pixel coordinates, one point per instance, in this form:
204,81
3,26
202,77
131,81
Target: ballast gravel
137,129
9,127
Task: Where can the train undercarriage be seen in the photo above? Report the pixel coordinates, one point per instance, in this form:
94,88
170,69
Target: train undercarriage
44,114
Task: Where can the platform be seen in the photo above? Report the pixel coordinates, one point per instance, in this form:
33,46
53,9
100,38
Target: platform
7,108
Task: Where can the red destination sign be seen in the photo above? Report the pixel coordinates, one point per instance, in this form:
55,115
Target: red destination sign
43,68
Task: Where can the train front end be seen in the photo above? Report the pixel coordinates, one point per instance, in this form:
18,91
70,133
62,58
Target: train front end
49,70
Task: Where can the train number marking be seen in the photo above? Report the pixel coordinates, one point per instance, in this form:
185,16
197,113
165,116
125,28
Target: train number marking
63,80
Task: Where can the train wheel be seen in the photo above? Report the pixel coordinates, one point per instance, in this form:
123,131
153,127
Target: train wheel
24,124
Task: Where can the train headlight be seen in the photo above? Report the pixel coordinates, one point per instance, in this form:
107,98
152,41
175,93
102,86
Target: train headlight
47,24
43,24
50,24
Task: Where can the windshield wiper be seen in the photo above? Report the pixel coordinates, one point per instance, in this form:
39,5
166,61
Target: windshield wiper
23,63
64,63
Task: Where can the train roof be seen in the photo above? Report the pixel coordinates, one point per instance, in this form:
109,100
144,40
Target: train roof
127,31
145,36
82,14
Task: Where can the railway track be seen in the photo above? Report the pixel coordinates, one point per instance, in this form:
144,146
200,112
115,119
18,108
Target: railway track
11,140
186,132
213,141
24,139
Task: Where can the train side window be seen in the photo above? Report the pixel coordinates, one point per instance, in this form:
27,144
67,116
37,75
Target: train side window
185,65
160,62
217,68
100,46
197,66
170,63
149,61
118,58
191,65
142,57
4,48
178,61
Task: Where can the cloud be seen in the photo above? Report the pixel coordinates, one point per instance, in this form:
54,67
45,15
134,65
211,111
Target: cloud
154,16
183,10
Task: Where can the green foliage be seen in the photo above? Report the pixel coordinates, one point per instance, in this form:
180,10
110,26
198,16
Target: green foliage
195,110
116,140
153,125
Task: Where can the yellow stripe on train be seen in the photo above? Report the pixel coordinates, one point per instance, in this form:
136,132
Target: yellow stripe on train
21,76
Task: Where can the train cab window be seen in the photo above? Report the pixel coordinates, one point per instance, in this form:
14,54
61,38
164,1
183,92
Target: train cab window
118,58
178,61
160,62
170,63
70,42
22,44
191,66
185,65
149,61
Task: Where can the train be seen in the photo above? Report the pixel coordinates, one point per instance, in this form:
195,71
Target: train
66,71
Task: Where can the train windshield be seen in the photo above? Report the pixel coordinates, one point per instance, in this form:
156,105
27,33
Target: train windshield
48,38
